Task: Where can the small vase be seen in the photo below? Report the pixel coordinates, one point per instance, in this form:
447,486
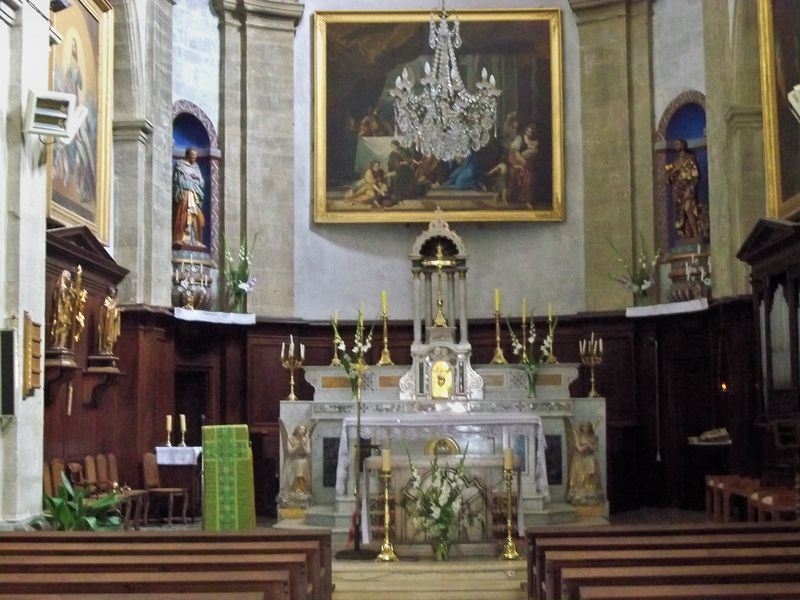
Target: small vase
237,303
441,548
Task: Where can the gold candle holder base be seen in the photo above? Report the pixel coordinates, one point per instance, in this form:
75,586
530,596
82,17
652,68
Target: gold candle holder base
499,358
169,438
591,352
510,551
183,439
386,358
387,550
292,364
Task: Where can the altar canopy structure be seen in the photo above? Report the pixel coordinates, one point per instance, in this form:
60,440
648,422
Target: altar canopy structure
477,411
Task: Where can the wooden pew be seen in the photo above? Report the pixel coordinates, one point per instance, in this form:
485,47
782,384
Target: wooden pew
103,563
142,596
273,585
536,557
574,578
315,543
319,567
555,561
721,591
535,533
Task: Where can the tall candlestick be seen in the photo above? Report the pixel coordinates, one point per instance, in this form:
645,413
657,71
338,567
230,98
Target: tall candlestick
508,458
386,459
496,299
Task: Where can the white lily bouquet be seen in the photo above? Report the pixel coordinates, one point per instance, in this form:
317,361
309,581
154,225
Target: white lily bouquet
530,358
641,276
354,362
436,504
238,280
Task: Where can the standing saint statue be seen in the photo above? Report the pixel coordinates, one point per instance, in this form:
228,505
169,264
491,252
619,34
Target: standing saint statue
61,311
584,486
188,195
683,175
108,325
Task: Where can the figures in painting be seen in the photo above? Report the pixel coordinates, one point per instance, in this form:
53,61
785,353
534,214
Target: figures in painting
521,160
584,485
108,324
683,175
188,196
371,189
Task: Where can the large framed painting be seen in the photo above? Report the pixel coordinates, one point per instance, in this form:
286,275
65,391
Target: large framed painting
363,174
78,173
778,27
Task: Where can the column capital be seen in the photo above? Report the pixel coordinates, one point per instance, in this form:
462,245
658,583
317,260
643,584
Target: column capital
132,130
744,117
588,11
276,9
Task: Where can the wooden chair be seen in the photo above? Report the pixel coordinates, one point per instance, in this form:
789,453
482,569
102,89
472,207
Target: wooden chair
131,501
47,481
104,481
152,484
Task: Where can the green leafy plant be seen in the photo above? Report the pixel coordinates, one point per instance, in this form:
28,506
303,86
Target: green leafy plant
530,359
238,280
71,510
436,504
639,277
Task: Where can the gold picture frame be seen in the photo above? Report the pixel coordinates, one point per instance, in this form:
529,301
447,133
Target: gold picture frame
78,174
778,22
357,56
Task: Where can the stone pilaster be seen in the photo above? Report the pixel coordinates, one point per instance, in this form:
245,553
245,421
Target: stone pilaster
734,135
257,121
130,235
617,106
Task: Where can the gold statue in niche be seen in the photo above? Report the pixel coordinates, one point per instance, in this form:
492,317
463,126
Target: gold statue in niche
441,380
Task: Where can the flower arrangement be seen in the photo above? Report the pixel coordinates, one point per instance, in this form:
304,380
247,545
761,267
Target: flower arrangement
353,362
436,503
529,358
238,280
641,277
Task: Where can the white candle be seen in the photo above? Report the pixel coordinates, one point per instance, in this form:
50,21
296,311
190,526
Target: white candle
601,345
496,299
302,351
386,459
291,346
383,301
169,422
182,418
549,311
283,350
508,459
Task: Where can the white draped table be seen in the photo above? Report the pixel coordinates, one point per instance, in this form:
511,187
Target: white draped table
422,426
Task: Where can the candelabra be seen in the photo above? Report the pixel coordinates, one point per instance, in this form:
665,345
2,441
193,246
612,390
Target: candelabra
386,358
335,362
499,358
292,362
591,351
510,551
169,436
192,284
387,550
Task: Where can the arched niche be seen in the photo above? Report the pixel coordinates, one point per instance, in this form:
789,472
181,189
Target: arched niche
192,127
196,265
683,119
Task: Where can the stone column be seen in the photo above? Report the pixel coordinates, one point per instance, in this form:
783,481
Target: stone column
462,318
417,308
257,121
735,136
24,52
142,189
617,108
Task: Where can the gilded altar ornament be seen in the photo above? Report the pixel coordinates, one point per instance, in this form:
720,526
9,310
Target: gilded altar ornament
67,311
439,262
292,361
498,358
386,358
510,551
441,380
108,324
387,549
591,352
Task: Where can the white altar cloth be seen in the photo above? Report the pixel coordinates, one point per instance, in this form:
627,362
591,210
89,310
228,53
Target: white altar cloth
178,455
427,425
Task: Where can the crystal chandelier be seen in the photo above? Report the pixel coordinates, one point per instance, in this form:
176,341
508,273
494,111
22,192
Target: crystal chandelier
444,119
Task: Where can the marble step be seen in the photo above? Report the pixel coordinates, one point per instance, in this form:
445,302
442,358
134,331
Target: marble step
461,579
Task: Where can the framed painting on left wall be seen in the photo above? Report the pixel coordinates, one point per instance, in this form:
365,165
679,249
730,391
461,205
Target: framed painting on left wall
79,173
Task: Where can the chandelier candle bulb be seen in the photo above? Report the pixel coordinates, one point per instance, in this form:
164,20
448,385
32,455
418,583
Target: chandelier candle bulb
386,460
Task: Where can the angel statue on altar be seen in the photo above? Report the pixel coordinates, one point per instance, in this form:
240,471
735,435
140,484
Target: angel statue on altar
584,486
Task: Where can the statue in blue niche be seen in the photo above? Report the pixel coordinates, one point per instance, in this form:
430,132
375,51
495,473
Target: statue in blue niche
188,192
